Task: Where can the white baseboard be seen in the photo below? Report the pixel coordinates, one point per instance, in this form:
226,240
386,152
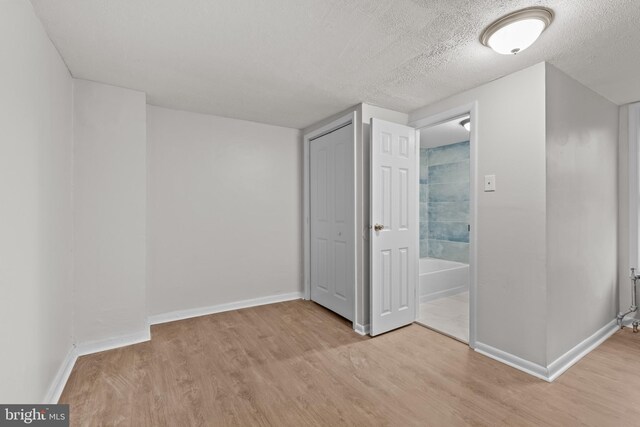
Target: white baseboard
361,329
60,380
111,343
557,367
571,357
62,376
219,308
442,294
530,368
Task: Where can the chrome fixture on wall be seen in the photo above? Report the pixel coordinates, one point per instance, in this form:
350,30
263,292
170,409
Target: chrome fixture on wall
634,277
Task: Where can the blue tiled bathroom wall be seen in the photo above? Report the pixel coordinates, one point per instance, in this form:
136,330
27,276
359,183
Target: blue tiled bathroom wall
444,202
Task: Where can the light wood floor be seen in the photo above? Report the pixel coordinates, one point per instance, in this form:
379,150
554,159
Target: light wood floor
297,364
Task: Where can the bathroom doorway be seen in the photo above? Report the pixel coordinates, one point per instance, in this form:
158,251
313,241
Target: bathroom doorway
446,216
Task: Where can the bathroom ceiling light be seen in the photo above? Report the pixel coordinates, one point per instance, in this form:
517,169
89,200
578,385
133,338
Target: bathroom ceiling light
517,31
466,123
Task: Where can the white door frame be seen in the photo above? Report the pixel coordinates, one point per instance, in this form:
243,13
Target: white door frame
472,110
345,120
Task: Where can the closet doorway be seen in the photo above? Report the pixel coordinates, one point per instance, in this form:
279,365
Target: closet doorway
331,218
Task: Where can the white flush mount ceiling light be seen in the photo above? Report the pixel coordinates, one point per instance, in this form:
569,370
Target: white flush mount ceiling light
517,31
466,123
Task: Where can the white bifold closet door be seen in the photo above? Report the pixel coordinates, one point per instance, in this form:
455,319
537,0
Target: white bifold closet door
332,204
394,225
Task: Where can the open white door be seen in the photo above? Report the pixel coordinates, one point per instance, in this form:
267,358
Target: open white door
394,225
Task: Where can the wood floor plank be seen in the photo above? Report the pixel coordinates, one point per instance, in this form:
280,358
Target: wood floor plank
297,364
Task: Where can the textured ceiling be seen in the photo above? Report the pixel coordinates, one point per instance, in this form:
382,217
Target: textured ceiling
294,62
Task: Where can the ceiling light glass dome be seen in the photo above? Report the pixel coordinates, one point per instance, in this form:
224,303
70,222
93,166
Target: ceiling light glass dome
517,31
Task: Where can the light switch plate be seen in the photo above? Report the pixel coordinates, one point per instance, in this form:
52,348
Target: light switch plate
489,183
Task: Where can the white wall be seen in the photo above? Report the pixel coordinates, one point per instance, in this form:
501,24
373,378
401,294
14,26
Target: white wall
36,208
582,199
511,300
109,212
547,238
225,209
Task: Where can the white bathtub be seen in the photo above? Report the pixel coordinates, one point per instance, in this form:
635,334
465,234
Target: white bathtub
440,278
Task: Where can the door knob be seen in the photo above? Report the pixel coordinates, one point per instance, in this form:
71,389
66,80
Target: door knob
378,227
